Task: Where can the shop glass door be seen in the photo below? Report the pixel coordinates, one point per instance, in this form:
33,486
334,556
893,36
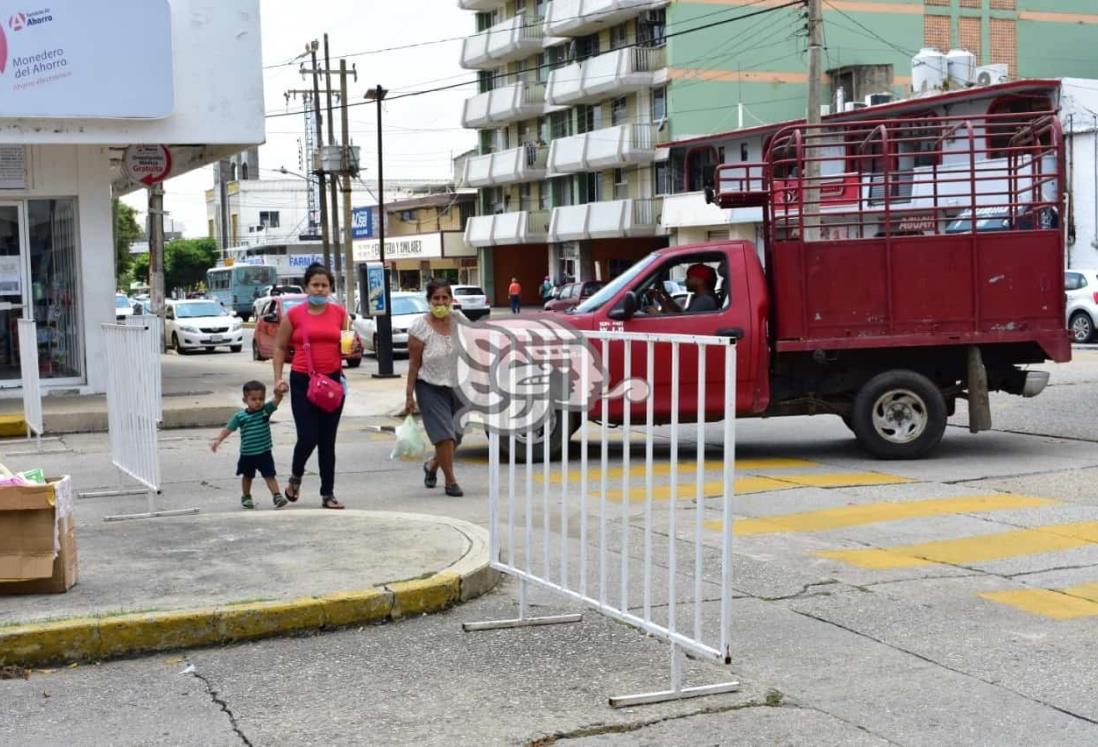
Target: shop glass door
13,288
52,295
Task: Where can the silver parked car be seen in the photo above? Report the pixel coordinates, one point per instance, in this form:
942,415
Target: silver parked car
407,307
1081,287
472,301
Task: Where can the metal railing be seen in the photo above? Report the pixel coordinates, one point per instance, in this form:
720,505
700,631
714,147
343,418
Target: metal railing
647,211
623,561
32,384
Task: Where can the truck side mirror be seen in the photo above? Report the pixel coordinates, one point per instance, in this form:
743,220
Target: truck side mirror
272,318
628,308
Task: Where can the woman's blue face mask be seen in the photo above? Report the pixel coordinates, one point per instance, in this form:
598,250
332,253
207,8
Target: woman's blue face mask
318,300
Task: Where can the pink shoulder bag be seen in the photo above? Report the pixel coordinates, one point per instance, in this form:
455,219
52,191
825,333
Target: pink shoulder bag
323,391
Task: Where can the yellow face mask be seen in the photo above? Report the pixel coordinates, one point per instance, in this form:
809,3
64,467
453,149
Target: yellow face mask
441,311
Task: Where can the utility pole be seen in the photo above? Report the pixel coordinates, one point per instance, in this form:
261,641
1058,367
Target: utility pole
308,147
156,249
385,322
811,189
338,266
350,166
311,48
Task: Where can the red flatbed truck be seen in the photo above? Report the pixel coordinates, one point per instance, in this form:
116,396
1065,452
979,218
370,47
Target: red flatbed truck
923,264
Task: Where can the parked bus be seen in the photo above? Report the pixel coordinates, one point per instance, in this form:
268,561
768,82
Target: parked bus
238,286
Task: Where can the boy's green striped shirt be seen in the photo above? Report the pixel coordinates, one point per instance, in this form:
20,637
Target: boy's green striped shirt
255,429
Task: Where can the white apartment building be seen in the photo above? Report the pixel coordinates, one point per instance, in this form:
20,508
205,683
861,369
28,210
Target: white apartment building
260,211
571,103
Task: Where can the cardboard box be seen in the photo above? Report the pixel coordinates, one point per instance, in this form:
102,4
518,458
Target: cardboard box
37,538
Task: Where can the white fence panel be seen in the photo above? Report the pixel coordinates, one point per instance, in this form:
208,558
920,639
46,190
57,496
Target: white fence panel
666,597
32,383
154,327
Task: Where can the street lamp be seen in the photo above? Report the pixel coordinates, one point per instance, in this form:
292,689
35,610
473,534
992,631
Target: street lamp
384,322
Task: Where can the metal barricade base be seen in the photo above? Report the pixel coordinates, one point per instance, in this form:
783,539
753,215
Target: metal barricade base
625,701
153,514
521,622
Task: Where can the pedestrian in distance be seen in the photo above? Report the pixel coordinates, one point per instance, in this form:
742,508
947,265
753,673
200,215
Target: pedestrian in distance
546,287
254,424
313,330
432,381
514,292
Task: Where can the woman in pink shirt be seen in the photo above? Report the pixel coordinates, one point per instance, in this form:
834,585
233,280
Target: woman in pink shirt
324,323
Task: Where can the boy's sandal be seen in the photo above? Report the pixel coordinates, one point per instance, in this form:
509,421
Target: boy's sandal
329,501
293,489
430,476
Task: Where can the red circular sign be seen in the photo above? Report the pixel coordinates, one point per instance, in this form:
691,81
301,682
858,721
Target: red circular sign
148,164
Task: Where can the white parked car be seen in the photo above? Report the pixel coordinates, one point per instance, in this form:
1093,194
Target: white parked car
472,301
201,325
1081,288
407,307
123,307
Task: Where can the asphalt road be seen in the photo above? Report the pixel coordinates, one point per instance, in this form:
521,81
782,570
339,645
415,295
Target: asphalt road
952,600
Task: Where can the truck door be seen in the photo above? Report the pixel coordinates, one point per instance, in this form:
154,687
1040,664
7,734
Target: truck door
693,294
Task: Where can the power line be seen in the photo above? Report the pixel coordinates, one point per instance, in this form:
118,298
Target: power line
503,75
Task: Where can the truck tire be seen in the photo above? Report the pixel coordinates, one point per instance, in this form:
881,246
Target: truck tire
899,415
556,423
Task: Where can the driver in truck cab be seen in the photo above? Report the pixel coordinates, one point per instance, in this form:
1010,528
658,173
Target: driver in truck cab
701,281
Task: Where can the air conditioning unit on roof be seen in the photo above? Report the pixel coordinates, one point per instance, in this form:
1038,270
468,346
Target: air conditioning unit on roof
850,106
988,75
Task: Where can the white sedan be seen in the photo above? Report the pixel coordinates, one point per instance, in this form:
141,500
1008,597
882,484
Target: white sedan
407,307
201,325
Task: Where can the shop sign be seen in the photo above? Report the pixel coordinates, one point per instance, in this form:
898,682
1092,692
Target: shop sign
64,60
148,164
302,261
362,223
375,284
419,246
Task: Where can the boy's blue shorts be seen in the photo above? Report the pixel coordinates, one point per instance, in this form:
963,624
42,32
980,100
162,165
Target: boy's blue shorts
250,463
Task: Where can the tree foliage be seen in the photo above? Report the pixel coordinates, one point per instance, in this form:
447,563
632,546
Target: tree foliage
126,231
186,262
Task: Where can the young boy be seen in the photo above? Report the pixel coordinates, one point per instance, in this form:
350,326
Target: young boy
254,423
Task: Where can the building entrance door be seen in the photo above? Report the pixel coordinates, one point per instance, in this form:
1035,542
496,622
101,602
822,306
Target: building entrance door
13,289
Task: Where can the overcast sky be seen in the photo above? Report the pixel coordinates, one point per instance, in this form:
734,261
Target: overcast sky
422,133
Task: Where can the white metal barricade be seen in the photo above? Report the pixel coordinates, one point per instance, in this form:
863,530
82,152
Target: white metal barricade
32,384
154,327
661,529
133,414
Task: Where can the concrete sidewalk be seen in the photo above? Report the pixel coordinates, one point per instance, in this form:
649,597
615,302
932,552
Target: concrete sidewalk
216,578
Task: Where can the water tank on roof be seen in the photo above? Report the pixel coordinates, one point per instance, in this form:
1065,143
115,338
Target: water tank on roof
929,69
961,67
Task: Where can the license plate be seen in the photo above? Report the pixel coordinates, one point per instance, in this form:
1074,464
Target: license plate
215,338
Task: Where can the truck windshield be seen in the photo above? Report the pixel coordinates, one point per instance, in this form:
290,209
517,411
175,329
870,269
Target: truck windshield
611,289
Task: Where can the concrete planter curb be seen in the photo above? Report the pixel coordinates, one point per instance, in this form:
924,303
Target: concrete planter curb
97,638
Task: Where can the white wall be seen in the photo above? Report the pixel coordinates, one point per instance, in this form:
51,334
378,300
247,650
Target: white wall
218,85
287,197
1084,252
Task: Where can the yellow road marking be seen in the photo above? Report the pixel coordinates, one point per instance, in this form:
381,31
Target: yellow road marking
663,469
1066,604
970,550
844,479
687,490
873,513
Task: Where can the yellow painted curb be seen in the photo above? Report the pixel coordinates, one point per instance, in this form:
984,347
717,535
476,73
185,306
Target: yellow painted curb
83,639
12,426
426,595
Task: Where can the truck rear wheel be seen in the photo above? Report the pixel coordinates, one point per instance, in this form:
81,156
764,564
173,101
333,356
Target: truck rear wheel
899,415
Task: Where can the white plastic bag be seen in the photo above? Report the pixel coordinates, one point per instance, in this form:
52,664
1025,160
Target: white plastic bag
411,443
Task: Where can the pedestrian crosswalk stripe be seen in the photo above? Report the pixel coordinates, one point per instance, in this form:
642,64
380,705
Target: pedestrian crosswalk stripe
1063,604
873,513
969,550
688,490
661,468
843,479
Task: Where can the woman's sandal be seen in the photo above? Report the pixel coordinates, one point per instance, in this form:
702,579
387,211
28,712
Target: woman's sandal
293,489
329,501
430,476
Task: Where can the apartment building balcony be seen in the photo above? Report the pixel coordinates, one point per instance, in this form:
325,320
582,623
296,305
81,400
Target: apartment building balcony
611,74
481,4
517,37
582,17
514,166
522,100
609,147
522,227
606,220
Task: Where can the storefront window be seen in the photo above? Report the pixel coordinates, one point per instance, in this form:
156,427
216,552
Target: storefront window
54,289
